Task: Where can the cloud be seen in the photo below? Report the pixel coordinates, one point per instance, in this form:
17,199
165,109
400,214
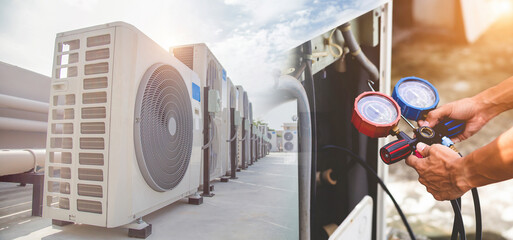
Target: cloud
247,36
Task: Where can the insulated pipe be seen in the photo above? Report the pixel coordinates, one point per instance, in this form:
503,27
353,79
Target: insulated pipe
7,101
295,88
20,161
355,50
22,125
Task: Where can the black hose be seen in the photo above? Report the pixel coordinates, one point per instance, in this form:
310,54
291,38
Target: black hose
454,234
458,219
477,210
381,183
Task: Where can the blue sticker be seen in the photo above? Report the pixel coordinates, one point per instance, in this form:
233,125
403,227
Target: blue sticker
196,92
224,75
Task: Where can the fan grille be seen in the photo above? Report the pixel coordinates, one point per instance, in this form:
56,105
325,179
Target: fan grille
163,128
288,146
269,136
288,136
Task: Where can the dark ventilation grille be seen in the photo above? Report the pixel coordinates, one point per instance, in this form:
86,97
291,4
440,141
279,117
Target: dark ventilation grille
251,113
288,136
214,152
269,136
185,55
245,105
163,128
288,146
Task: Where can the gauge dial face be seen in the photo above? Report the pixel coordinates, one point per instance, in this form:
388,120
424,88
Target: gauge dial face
377,109
417,93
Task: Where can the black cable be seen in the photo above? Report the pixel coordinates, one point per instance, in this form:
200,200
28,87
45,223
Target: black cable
457,227
381,183
458,219
477,210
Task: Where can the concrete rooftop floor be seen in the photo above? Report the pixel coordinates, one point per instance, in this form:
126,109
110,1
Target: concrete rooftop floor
261,204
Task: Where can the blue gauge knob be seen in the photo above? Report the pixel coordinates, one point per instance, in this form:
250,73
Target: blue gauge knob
416,97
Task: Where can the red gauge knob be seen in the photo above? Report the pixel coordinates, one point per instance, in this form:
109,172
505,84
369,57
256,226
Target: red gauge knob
375,114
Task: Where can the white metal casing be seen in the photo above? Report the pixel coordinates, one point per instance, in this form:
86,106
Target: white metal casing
273,140
125,195
240,132
211,73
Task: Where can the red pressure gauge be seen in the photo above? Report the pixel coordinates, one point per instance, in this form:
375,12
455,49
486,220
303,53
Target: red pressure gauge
375,114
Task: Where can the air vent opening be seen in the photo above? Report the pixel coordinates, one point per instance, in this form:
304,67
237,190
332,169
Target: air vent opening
89,206
93,113
94,97
90,174
60,114
95,83
90,158
92,143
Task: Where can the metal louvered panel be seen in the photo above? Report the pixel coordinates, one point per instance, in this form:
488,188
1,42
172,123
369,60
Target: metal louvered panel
163,128
78,126
185,55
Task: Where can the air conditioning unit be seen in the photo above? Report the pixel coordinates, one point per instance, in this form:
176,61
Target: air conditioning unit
124,117
247,130
290,141
212,74
273,142
251,133
241,132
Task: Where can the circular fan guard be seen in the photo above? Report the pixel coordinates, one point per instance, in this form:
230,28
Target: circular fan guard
288,136
163,127
288,146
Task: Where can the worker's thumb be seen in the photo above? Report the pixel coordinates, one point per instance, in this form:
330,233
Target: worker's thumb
423,149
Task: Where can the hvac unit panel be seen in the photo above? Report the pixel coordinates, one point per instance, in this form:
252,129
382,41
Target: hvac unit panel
273,137
290,141
213,75
125,100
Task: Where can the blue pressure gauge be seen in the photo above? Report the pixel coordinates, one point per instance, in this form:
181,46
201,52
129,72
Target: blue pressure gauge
416,97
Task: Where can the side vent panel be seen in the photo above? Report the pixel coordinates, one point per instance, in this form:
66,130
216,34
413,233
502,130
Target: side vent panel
185,55
78,141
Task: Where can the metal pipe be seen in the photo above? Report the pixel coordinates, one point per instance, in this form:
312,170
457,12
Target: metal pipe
295,88
15,124
12,102
355,50
20,161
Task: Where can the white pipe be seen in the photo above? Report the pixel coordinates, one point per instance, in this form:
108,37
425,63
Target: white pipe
22,125
293,87
20,161
7,101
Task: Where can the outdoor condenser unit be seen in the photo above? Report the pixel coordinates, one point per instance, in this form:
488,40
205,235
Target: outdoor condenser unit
241,132
273,141
201,60
290,141
124,116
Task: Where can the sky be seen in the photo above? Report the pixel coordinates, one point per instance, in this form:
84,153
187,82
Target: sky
247,36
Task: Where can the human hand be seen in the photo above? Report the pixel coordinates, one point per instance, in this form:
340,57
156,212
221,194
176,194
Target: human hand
440,171
470,110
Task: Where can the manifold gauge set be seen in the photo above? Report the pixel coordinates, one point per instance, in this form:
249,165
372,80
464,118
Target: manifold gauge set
377,115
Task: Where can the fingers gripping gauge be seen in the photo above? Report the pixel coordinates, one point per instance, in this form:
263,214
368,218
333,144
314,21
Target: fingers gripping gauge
375,114
416,97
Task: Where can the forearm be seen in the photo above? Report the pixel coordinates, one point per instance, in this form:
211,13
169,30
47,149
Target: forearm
489,164
497,99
